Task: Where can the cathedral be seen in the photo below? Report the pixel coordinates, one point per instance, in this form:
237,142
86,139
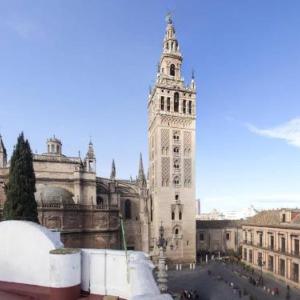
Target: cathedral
87,210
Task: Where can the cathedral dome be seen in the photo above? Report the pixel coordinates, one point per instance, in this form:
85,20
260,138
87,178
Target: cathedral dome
52,195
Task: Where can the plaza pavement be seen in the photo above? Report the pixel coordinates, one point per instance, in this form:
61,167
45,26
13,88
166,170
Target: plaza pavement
217,285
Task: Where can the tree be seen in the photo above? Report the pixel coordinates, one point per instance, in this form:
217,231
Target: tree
20,202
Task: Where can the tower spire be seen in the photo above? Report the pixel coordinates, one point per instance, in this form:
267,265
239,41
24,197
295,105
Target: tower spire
90,159
141,176
3,154
113,170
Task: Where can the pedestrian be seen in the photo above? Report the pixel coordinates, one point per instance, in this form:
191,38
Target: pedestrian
288,296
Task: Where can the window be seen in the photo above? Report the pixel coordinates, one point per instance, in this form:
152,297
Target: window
296,247
176,180
272,242
227,236
168,104
176,102
176,197
127,209
295,272
176,136
245,254
172,70
180,215
283,218
250,256
176,231
270,263
100,201
176,150
162,103
184,106
282,267
190,107
282,244
173,215
201,236
176,164
260,239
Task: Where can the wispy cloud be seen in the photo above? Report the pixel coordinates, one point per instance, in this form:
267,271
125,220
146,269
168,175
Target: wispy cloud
24,28
289,132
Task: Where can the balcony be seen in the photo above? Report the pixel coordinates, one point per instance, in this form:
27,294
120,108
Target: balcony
295,253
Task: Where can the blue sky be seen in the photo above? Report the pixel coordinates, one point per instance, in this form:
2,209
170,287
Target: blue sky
82,68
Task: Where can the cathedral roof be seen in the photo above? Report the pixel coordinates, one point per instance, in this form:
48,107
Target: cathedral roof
53,195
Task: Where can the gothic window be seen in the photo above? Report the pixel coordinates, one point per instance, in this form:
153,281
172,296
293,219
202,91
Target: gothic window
180,215
127,209
176,180
173,215
190,107
168,104
100,201
176,197
162,103
176,102
172,70
184,106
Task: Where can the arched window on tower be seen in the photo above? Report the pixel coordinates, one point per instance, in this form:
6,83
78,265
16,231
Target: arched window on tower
184,106
162,103
176,180
168,104
173,215
176,102
127,209
190,107
172,70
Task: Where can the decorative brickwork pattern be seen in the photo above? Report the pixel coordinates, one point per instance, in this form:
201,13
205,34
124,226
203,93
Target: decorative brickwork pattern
165,141
165,171
187,142
187,172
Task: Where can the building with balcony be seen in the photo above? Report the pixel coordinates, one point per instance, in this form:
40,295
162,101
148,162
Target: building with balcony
271,243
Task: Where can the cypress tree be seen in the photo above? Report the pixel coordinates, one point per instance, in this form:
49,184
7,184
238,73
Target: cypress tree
20,202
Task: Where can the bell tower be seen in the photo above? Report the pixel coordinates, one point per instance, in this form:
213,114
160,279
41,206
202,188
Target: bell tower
171,142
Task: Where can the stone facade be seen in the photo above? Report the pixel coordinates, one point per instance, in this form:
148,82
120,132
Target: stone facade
214,236
171,141
86,208
83,207
271,243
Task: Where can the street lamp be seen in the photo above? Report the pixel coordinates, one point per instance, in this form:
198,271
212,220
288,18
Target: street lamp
162,276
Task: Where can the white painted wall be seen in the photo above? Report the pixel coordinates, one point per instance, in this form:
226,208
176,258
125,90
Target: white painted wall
25,258
24,252
65,269
105,272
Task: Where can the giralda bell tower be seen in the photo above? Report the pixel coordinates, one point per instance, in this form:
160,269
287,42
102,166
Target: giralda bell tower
171,141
